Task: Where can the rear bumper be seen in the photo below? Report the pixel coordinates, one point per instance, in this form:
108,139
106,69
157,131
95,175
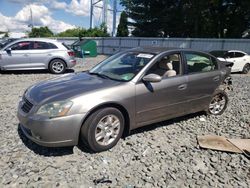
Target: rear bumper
56,132
71,63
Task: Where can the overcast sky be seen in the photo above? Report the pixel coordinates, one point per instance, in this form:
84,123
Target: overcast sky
58,15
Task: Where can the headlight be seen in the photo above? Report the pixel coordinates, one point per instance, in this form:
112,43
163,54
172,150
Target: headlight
55,109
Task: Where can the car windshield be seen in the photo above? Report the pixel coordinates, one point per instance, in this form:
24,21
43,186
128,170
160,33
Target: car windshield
123,66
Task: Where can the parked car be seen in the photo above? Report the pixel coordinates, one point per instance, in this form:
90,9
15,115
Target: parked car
5,42
31,54
128,90
240,60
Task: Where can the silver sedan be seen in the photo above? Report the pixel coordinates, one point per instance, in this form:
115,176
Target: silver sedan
32,54
128,90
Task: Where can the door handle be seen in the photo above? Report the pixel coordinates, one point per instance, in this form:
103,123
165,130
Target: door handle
49,54
182,87
26,55
216,78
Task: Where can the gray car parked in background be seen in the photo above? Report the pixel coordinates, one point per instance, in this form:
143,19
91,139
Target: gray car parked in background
128,90
37,53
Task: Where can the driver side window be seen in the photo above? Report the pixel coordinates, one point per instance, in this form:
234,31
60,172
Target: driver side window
167,66
21,46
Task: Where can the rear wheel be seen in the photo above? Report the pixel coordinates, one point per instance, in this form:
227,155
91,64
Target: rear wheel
246,69
218,103
103,129
57,66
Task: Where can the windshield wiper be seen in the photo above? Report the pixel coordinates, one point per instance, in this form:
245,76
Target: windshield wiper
100,75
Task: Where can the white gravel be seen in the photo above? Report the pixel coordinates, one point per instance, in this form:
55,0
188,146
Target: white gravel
165,154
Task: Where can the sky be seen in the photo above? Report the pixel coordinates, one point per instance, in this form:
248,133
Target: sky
58,15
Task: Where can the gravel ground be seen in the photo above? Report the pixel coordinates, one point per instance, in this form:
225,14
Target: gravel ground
165,154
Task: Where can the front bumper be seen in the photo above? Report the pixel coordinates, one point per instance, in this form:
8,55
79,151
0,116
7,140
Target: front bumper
56,132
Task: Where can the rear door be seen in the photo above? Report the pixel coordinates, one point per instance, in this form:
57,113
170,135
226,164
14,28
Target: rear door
40,54
17,57
203,79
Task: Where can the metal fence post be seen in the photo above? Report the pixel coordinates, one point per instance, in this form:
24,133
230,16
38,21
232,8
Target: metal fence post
102,45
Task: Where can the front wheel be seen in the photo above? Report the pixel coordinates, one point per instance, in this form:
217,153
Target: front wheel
218,103
103,129
246,69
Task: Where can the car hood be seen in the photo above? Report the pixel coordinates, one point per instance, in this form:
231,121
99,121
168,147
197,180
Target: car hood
66,87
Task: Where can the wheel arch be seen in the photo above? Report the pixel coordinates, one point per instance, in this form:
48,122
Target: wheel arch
247,64
54,58
120,107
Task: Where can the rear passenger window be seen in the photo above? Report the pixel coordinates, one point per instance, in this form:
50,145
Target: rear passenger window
40,46
238,54
199,63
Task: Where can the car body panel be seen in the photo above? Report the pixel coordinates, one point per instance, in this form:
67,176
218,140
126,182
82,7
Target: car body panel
163,99
199,95
239,63
143,102
15,59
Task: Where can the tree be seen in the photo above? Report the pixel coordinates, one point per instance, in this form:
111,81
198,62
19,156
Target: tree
41,32
6,35
76,32
188,18
122,30
81,32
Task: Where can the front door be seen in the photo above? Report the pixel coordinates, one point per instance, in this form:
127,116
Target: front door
164,99
17,57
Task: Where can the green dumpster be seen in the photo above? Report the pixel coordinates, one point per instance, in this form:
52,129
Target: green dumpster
85,48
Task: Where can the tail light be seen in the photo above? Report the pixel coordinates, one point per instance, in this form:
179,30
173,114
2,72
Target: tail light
71,53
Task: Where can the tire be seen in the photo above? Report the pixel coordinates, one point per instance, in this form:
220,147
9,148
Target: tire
218,103
246,68
57,66
103,129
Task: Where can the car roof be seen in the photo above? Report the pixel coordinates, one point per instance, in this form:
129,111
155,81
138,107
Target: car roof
237,51
153,49
158,50
36,39
31,39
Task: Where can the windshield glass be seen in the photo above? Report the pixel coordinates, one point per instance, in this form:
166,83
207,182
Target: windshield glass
123,66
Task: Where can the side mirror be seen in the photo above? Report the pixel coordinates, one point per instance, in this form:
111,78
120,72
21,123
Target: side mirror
8,50
152,78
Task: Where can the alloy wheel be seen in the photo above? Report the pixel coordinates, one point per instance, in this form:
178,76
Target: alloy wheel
217,104
58,67
107,130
